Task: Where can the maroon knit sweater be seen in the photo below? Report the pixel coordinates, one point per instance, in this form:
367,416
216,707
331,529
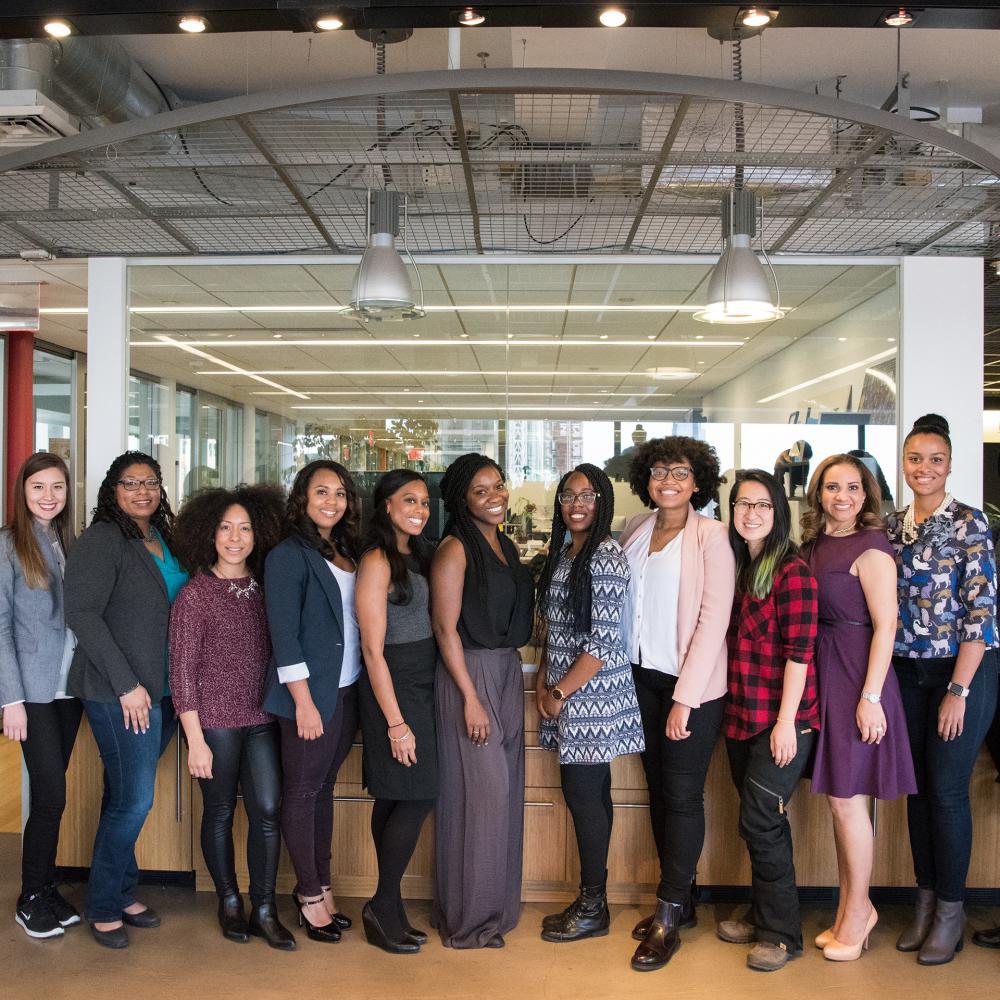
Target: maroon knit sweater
219,650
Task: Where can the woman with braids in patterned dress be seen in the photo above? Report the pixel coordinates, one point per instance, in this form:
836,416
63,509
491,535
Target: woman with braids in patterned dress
481,604
584,690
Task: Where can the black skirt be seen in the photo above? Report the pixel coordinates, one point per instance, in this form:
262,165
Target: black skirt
412,667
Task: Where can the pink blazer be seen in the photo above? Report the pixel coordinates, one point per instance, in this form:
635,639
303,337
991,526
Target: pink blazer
708,580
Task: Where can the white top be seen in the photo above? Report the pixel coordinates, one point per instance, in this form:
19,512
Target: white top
351,669
651,606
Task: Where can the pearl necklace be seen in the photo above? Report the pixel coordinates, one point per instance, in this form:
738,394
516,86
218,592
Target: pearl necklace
910,527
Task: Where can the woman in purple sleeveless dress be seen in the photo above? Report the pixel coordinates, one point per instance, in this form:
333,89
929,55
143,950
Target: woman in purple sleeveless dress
862,748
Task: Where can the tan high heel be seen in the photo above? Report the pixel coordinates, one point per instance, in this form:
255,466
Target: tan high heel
837,951
824,938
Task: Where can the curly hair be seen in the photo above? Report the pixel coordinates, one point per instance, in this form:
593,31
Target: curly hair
107,508
454,486
380,535
698,454
202,513
813,520
344,537
579,582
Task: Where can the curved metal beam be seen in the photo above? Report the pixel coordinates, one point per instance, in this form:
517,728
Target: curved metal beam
573,81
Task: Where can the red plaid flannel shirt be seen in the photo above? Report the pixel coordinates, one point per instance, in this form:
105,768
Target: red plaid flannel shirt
762,636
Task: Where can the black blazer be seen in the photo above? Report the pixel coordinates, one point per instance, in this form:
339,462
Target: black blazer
117,604
305,613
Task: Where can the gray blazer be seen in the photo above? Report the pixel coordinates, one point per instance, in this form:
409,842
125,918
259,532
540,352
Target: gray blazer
32,630
116,603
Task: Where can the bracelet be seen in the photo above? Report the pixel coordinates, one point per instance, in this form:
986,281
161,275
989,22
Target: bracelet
400,739
780,719
396,725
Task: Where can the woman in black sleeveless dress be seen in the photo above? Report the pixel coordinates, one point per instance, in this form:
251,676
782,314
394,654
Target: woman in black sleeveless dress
481,598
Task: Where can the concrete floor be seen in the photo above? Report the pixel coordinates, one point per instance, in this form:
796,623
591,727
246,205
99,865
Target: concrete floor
187,957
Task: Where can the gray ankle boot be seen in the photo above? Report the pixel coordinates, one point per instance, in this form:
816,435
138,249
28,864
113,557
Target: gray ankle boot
914,936
946,934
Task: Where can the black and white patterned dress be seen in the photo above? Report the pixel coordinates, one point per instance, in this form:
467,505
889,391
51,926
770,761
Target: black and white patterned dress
600,721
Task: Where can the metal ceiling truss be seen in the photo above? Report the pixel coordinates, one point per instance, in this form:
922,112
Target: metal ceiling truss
505,161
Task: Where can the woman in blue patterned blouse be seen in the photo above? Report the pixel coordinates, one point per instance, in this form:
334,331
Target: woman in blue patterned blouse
947,599
584,689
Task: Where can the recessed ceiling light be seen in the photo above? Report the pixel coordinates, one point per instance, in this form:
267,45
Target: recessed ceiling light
470,17
328,22
612,17
901,19
842,339
757,17
604,336
192,23
58,28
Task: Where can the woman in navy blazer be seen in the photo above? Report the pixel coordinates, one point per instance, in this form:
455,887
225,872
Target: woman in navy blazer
312,681
35,652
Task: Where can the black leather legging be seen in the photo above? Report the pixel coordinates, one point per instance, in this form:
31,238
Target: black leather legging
246,759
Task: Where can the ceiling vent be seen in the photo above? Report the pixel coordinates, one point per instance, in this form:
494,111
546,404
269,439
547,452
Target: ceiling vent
28,117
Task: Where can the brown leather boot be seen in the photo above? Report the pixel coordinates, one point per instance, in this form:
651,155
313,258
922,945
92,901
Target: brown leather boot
662,939
916,933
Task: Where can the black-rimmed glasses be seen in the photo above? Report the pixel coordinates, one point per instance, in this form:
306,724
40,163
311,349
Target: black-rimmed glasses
746,507
131,485
678,473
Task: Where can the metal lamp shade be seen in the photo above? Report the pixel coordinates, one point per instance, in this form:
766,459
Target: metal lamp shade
381,284
739,290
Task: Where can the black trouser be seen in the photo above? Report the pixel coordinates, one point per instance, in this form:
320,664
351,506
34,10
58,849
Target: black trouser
765,791
587,789
675,774
52,729
245,758
939,816
396,825
993,735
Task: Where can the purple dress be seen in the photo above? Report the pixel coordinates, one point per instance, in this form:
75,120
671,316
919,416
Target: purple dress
844,765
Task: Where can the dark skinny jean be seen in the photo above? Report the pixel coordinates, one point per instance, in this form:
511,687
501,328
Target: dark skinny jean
587,790
939,816
246,759
675,774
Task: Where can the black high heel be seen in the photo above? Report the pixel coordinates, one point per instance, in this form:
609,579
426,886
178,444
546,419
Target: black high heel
328,933
415,934
377,936
342,920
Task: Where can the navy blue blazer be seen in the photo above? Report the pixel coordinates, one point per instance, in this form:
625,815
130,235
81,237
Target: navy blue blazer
305,613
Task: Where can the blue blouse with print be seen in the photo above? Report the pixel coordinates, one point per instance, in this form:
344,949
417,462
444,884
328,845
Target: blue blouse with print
947,583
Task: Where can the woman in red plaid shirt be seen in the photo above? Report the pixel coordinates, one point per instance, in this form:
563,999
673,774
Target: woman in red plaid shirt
771,708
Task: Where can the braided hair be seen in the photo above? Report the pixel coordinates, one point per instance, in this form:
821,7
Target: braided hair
579,582
381,536
344,534
107,508
454,486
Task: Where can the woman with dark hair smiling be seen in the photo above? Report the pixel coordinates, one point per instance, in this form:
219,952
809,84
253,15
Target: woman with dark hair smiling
861,750
219,650
121,579
771,708
676,616
397,694
481,604
584,690
311,683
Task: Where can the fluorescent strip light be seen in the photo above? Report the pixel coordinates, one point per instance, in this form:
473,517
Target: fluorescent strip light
822,378
447,342
451,374
495,409
411,393
517,308
234,369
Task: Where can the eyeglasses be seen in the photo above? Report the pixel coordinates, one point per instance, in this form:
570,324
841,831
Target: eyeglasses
746,507
679,473
131,485
587,498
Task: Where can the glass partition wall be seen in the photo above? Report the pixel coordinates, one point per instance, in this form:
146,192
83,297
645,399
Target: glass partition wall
541,365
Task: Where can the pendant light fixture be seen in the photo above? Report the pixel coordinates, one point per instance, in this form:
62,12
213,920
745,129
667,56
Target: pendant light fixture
382,291
739,290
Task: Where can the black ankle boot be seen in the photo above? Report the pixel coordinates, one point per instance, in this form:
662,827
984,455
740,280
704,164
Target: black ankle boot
587,916
232,919
689,915
264,923
661,940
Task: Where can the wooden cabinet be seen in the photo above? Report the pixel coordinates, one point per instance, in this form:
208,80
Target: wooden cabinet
165,842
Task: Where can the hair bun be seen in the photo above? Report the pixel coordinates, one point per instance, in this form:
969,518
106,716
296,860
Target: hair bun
933,423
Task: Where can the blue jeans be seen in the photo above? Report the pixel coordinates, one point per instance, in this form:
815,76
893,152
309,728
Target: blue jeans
939,816
130,761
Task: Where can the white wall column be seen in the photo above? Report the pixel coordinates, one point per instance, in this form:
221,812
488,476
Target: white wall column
248,472
107,367
941,360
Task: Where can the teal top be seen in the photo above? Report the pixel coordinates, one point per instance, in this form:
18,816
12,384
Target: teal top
174,577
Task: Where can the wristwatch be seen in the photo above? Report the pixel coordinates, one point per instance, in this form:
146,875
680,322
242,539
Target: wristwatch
557,693
875,699
957,690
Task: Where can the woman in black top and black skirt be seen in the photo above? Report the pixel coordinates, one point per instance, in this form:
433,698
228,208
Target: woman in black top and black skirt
481,599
